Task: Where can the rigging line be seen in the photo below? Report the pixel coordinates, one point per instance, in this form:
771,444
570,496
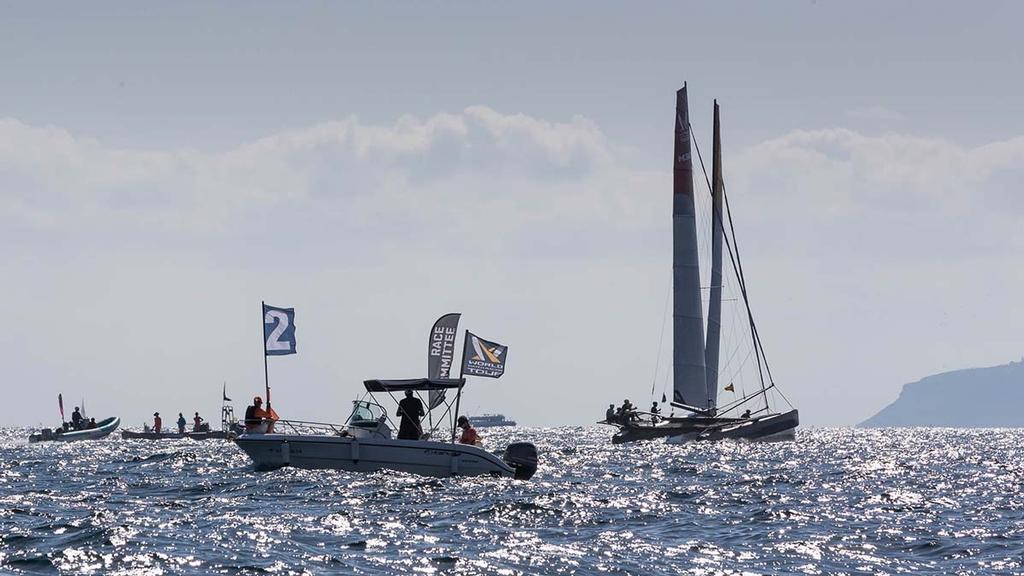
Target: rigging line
661,339
734,259
743,284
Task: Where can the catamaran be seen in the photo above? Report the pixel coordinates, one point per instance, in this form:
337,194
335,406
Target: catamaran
695,370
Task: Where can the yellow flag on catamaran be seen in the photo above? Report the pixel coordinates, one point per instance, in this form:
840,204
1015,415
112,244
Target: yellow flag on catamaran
729,388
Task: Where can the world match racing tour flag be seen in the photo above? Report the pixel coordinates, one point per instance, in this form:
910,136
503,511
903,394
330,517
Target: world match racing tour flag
482,357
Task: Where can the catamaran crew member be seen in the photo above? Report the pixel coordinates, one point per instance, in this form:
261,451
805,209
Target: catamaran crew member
411,410
609,415
469,434
627,413
655,412
76,419
197,423
157,422
181,423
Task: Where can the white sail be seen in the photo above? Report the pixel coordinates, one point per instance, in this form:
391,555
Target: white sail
688,371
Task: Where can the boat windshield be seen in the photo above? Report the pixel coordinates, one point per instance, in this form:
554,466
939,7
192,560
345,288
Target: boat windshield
364,412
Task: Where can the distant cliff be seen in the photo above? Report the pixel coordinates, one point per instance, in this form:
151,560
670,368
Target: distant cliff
976,397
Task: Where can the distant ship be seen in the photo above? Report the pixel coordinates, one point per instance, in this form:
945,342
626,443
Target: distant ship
490,420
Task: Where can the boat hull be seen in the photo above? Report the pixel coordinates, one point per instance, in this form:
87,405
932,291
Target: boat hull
205,435
437,459
103,428
768,428
679,430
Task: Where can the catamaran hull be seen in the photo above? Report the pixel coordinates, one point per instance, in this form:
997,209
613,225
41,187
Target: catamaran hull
765,428
437,459
772,427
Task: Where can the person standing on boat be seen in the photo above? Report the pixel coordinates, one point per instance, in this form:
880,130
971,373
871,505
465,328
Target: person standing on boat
411,410
655,413
181,423
157,422
76,419
197,423
469,434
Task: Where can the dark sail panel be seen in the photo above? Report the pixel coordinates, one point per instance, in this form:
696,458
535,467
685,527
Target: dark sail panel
688,371
711,352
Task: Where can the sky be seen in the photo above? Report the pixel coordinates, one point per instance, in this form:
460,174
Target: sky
165,167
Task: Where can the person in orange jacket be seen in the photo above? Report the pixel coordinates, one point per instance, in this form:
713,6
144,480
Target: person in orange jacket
256,415
469,434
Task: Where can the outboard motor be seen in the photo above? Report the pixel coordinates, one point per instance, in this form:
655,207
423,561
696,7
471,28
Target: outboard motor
522,457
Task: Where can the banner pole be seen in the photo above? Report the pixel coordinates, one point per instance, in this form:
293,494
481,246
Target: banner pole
266,373
458,397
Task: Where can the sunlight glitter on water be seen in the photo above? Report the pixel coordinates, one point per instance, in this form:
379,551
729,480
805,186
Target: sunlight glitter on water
836,500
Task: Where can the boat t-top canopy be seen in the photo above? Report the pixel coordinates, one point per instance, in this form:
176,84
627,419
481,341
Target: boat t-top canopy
412,384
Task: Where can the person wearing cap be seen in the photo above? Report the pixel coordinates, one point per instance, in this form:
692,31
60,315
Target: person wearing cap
157,422
181,423
410,409
255,414
469,434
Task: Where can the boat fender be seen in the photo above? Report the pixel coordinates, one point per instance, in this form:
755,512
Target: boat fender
355,451
522,457
286,453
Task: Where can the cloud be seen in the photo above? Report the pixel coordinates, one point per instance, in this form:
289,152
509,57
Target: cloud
889,190
53,178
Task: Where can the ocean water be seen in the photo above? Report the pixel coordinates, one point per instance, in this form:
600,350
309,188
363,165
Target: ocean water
934,501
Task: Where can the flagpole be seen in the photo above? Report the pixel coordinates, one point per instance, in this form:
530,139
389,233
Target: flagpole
266,373
458,397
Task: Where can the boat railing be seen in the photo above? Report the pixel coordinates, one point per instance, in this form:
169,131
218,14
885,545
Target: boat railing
308,428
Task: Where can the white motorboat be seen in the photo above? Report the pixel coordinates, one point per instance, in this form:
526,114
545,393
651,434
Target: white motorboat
365,442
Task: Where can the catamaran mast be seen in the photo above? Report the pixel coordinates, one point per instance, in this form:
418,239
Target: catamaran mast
711,350
688,371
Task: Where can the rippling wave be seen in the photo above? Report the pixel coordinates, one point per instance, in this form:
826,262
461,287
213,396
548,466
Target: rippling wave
836,500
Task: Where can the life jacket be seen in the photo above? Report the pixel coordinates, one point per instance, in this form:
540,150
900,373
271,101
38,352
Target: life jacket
469,436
